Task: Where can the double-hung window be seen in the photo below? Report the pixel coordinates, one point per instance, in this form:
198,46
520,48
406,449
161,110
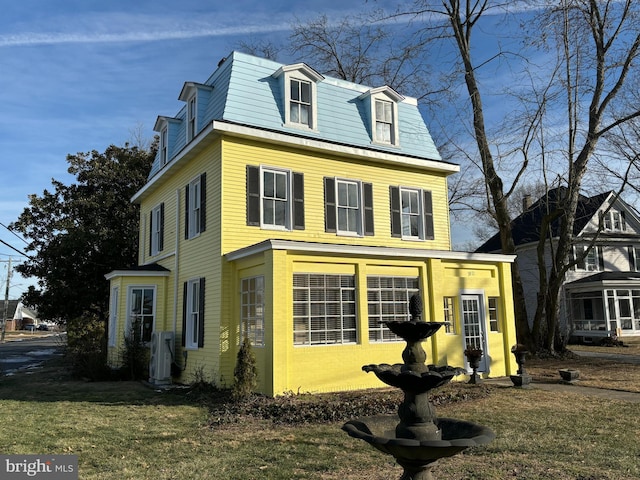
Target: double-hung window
494,318
348,206
411,213
195,207
384,121
164,146
192,113
275,198
193,314
591,260
141,313
300,102
156,230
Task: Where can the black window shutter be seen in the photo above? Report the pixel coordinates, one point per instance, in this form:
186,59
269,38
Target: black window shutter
329,205
600,259
428,216
367,190
572,258
186,211
632,258
623,220
581,255
253,195
298,201
203,202
161,239
184,314
201,314
396,219
151,233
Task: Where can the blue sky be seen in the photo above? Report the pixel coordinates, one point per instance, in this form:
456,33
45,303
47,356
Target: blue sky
79,75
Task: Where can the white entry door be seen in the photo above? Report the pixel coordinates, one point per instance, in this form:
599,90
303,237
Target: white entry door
474,328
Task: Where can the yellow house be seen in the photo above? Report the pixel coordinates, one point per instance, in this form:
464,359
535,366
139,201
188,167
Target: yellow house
301,211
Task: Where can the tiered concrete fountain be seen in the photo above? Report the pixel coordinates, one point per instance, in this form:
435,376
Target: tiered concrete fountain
419,438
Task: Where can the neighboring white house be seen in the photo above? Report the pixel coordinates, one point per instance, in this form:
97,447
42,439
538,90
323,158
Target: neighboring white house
601,293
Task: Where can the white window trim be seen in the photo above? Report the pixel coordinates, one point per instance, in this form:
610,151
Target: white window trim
164,146
193,288
254,323
386,94
157,230
113,316
289,208
195,197
130,288
420,215
192,117
299,71
360,214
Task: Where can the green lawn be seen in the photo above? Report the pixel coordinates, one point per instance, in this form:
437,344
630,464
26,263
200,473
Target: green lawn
124,430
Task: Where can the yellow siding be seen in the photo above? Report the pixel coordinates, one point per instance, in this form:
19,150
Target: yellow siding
238,154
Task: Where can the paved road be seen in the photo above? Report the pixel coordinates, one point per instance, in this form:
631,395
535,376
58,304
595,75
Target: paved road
28,353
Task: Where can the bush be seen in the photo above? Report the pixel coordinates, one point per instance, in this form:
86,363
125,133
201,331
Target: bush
134,355
86,349
246,373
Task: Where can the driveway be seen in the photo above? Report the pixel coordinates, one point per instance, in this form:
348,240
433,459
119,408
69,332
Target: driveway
25,353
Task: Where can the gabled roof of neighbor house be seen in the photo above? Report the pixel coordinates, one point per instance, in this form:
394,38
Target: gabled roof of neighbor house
247,91
526,226
15,308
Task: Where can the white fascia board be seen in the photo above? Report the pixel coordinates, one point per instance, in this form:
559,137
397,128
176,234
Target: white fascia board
136,273
269,136
305,142
369,251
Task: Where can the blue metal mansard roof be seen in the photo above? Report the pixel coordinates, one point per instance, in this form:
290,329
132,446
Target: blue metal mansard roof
246,91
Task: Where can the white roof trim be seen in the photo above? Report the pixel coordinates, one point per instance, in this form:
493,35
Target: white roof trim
341,249
136,273
217,126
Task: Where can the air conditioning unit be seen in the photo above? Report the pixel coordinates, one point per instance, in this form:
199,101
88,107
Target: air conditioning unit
162,348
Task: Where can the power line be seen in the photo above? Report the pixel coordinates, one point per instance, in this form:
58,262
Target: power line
13,248
14,233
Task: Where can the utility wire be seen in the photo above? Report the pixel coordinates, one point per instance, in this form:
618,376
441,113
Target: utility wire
14,233
14,248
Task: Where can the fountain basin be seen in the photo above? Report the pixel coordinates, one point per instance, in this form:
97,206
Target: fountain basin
414,380
457,435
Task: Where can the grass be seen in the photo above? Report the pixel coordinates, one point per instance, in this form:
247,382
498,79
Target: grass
124,430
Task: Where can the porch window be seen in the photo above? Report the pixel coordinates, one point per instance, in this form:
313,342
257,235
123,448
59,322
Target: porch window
450,315
252,310
587,311
494,324
141,317
388,300
324,309
113,316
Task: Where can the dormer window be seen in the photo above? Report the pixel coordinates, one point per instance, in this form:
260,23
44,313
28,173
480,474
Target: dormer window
164,148
299,82
382,107
192,110
167,127
194,94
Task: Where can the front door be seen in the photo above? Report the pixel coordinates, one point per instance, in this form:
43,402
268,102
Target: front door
473,328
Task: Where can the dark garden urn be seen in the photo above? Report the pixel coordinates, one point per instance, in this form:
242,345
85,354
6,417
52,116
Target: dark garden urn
522,379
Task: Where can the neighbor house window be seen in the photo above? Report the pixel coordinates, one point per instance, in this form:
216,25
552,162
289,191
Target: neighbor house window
275,198
193,314
252,310
449,315
324,309
348,207
411,213
613,220
195,203
156,230
494,323
141,313
388,300
634,258
591,260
